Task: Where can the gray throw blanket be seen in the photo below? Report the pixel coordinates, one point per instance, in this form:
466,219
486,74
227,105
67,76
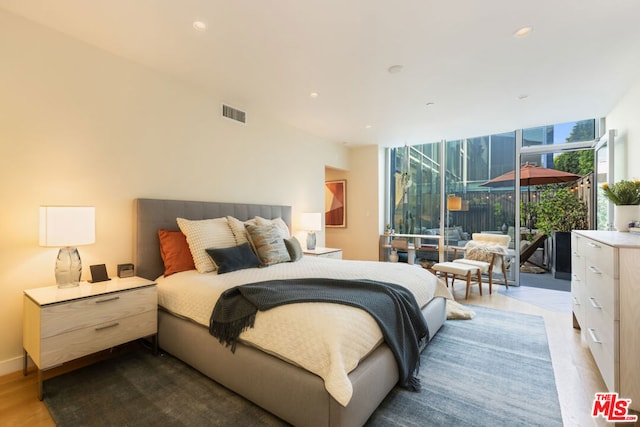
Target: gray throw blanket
392,306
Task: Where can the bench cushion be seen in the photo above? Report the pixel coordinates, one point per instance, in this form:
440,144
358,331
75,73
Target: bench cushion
455,268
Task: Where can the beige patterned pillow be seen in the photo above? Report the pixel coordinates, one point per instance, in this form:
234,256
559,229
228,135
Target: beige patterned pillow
239,230
278,222
204,234
268,244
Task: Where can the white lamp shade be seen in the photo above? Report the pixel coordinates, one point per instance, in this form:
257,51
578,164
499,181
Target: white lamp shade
67,225
311,221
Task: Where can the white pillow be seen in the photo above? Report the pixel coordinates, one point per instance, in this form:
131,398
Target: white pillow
204,234
278,222
238,229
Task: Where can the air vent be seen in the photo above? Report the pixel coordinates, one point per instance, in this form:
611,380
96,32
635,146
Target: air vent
234,114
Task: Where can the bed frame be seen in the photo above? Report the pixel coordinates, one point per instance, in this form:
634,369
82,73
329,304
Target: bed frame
287,391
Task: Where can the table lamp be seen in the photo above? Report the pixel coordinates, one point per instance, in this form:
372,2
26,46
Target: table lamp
312,222
67,227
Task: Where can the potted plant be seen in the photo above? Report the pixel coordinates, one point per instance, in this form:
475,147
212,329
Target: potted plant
625,195
558,212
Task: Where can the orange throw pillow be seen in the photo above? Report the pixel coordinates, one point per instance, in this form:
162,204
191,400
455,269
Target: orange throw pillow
175,252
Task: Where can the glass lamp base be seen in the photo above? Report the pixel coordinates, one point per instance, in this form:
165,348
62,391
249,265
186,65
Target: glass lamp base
311,240
68,268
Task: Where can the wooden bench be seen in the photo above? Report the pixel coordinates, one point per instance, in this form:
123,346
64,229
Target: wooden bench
458,269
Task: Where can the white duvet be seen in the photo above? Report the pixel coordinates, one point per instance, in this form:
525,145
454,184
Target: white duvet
342,335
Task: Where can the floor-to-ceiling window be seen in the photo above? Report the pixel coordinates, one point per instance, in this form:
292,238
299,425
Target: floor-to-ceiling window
415,188
415,185
468,167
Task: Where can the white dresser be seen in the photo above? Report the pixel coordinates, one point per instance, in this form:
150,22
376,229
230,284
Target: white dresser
605,287
64,324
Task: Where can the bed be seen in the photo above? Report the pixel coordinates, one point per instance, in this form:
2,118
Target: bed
281,387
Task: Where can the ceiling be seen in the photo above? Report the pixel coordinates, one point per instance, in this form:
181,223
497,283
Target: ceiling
267,56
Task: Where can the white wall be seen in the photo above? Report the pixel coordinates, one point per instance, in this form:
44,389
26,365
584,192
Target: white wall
79,126
625,118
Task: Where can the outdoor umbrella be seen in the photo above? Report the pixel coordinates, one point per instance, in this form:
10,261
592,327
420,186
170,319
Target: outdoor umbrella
531,175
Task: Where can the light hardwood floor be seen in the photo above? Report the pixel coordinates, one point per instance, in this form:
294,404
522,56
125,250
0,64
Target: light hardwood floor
577,378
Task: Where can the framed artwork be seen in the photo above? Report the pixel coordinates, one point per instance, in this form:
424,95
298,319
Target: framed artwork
335,203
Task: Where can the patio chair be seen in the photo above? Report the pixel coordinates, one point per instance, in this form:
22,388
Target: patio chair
528,251
486,251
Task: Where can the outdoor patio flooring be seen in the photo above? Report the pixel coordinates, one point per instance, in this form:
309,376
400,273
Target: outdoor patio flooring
544,280
542,290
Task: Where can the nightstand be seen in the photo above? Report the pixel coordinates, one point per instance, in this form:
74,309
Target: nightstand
61,325
324,252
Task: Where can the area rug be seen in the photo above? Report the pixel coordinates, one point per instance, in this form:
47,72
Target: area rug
489,371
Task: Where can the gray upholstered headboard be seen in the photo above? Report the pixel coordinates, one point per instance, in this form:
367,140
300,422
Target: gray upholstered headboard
154,214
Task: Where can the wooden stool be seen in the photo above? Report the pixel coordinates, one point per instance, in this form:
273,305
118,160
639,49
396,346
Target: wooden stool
484,267
458,269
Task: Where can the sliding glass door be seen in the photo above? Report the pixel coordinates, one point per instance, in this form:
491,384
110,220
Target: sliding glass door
604,169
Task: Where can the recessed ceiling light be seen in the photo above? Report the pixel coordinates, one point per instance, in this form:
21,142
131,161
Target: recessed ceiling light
314,94
523,32
394,69
199,26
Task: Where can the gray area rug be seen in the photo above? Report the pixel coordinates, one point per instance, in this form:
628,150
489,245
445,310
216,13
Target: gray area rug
494,370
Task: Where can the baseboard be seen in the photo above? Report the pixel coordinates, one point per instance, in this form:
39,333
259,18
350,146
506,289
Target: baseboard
10,366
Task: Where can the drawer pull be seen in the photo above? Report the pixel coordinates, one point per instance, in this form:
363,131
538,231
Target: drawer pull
575,277
594,303
594,245
102,328
575,301
107,300
594,270
594,338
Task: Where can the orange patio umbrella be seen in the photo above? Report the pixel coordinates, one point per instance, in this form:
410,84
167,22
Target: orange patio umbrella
531,175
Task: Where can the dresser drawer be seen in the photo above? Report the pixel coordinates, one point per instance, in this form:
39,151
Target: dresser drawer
599,256
600,292
601,335
81,342
61,318
578,298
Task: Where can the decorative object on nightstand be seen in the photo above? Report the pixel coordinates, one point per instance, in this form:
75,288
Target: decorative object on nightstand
311,222
67,227
98,273
125,270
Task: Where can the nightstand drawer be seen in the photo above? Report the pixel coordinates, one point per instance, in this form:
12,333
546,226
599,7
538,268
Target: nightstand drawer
65,317
80,342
